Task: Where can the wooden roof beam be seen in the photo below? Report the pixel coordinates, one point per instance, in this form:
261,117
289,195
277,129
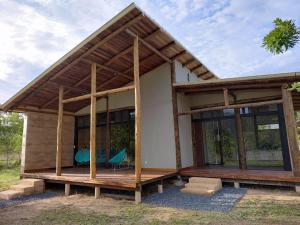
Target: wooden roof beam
178,55
188,62
109,69
145,43
196,67
99,94
235,106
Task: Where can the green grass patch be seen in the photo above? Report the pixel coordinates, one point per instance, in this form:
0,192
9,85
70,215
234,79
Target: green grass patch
9,177
250,212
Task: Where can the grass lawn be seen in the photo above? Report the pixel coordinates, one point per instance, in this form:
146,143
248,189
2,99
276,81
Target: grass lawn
82,209
9,177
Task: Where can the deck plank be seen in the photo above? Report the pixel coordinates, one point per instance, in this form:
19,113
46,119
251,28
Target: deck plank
237,174
122,179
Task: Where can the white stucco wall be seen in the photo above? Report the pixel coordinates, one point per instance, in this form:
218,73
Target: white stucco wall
182,74
185,131
116,101
158,143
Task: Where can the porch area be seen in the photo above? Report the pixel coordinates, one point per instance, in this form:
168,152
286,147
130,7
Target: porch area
273,177
121,179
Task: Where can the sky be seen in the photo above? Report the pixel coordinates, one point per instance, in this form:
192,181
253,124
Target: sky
226,35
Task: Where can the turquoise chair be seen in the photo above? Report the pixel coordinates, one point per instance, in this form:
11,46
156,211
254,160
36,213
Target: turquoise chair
119,158
82,156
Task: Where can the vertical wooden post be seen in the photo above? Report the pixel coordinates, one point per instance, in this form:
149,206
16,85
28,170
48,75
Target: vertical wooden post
175,117
137,101
240,136
291,129
59,130
107,130
93,123
226,97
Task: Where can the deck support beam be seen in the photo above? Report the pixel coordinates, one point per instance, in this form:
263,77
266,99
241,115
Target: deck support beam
137,102
240,136
67,189
59,131
160,188
138,196
93,123
291,129
97,192
175,118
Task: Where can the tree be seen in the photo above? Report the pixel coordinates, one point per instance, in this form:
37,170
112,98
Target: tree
284,36
11,128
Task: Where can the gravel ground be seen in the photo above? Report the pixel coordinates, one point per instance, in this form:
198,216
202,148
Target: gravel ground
222,201
17,201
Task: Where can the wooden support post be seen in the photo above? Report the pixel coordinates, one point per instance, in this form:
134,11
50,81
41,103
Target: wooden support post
59,131
107,130
93,124
291,129
175,118
97,192
137,91
240,136
138,196
67,189
236,184
226,97
160,188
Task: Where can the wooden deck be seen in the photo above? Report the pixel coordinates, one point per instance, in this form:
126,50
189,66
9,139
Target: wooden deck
106,178
247,176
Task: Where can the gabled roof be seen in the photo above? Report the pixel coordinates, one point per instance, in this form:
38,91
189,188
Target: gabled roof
111,48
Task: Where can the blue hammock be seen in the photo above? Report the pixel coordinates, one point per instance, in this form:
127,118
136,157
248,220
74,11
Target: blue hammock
118,158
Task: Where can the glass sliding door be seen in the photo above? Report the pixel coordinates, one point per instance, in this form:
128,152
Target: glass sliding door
264,137
219,139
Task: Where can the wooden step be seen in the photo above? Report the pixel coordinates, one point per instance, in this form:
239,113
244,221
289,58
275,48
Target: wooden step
197,191
26,189
38,184
10,194
205,180
204,186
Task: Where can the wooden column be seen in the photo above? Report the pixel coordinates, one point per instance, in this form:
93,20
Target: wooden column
107,130
240,136
93,123
59,130
226,97
291,129
175,117
137,105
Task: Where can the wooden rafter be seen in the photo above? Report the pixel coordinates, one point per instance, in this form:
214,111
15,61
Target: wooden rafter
188,62
145,43
110,61
109,69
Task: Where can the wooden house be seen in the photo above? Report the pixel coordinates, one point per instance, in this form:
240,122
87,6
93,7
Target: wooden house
132,85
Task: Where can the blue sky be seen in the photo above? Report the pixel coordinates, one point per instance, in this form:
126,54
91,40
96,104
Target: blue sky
225,35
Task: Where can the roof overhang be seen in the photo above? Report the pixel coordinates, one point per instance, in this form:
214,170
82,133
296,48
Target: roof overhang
111,48
239,83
